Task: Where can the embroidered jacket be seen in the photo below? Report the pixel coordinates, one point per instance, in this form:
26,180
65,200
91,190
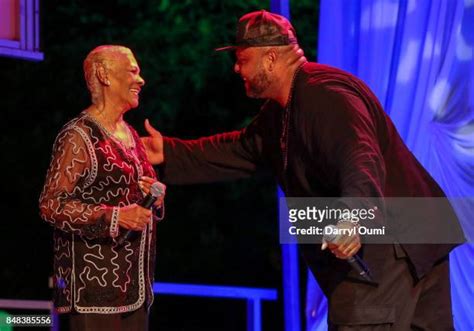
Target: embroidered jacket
90,176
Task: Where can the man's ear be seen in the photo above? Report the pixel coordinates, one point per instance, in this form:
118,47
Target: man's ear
271,57
101,73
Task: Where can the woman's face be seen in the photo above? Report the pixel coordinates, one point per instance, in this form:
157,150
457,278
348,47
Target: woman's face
125,80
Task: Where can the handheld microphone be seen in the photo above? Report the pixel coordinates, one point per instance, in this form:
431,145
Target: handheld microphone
157,190
355,261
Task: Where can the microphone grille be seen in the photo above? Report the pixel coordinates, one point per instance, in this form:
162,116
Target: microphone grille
157,189
329,234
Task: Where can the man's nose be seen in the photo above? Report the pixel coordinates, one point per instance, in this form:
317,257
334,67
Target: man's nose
140,81
236,68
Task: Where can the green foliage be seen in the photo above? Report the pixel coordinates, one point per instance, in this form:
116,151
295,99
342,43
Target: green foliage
305,19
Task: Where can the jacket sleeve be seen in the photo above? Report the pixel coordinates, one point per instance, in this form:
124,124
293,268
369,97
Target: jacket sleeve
220,157
60,202
345,134
350,140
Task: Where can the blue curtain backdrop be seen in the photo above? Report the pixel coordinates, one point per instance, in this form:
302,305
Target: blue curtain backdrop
417,56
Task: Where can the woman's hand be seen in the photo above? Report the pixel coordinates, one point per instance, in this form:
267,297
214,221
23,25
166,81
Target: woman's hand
145,184
134,217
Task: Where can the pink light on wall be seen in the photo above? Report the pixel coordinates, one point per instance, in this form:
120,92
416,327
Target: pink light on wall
19,29
10,19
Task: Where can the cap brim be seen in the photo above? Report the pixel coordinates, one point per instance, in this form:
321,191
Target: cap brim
225,49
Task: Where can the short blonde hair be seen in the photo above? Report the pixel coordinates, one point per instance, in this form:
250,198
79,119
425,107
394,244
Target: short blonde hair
100,56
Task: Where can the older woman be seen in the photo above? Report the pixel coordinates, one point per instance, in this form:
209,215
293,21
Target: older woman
90,197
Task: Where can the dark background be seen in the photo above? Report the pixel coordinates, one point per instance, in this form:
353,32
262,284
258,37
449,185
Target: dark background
225,233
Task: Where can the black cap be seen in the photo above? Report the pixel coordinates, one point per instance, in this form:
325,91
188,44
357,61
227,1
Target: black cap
261,28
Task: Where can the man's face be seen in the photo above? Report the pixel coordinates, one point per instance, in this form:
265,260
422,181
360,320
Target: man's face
125,79
249,66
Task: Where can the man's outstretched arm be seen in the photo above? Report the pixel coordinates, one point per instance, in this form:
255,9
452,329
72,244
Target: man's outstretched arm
219,157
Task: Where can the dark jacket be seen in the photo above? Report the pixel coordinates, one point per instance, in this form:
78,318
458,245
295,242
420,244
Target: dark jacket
340,144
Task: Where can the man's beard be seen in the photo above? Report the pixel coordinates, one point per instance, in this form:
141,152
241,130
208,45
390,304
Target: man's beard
258,84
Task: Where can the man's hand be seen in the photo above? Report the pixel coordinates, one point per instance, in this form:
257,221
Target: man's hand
134,217
153,144
348,245
293,55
